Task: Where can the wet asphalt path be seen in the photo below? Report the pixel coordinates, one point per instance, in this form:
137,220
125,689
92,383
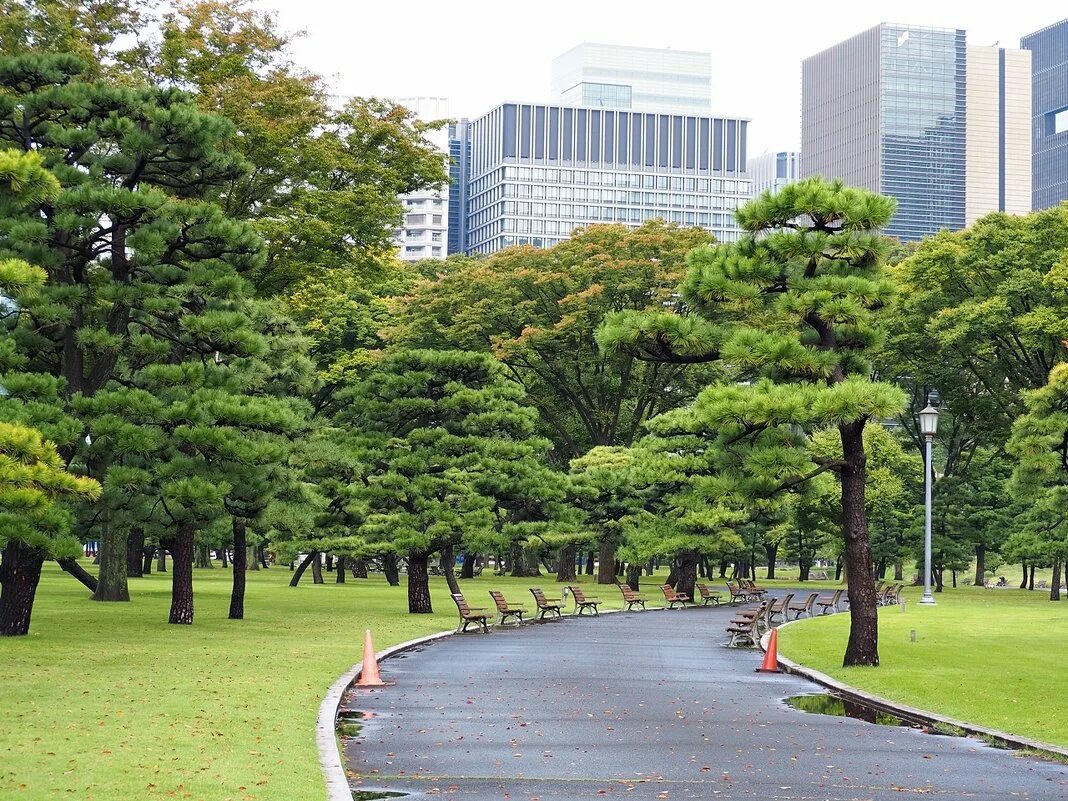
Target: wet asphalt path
645,706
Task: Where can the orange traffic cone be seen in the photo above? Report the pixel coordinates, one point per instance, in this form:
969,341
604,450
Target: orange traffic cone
369,675
771,657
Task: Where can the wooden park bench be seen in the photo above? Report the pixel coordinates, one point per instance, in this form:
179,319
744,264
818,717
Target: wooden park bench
708,596
755,591
582,603
828,604
545,606
506,610
803,607
673,597
468,614
632,598
779,609
738,594
819,575
744,627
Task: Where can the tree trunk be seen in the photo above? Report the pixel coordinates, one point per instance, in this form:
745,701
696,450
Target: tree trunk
1055,588
237,594
448,560
565,562
803,570
723,565
863,646
307,560
673,574
524,564
418,584
161,559
203,561
591,557
146,567
359,568
687,573
20,573
252,561
317,569
75,569
182,576
111,578
634,575
953,573
533,563
467,569
606,567
329,563
1023,582
135,554
980,565
838,568
771,553
1031,577
261,552
392,572
899,571
223,557
342,568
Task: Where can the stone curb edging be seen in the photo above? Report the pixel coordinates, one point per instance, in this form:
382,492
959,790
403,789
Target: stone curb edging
908,713
330,759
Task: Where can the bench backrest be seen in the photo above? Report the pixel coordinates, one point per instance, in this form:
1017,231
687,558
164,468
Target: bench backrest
461,604
580,596
778,606
668,590
539,596
811,600
703,589
628,593
498,599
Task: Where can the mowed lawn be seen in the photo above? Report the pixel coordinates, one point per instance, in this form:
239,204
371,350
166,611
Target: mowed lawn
997,658
108,702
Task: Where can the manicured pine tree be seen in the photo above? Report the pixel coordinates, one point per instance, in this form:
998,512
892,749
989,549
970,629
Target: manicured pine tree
431,431
792,310
132,256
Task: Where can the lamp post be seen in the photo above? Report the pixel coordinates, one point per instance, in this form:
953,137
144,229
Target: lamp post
928,427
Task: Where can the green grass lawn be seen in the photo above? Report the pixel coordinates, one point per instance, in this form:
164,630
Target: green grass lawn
993,658
108,702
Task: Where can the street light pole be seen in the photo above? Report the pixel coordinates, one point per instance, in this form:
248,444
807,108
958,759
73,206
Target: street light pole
928,427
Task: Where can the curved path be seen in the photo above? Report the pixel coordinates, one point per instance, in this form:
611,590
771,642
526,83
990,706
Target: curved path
645,706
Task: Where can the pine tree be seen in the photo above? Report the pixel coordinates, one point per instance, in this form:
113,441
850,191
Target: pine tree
443,440
792,310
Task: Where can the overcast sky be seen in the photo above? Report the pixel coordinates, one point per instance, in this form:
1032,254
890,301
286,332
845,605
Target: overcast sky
479,54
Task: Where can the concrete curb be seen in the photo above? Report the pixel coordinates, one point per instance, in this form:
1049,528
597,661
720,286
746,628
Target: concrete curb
330,759
911,714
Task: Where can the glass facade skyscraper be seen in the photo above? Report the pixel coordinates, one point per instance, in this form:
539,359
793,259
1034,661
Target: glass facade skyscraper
885,110
539,171
914,113
1049,125
459,169
636,78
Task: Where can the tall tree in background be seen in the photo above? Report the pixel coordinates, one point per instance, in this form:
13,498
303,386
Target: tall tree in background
133,256
437,435
1040,445
538,311
793,310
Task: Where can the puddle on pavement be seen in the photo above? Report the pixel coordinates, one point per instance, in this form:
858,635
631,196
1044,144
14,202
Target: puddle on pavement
836,706
374,795
350,724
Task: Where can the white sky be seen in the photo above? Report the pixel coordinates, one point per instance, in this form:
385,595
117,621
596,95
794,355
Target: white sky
481,53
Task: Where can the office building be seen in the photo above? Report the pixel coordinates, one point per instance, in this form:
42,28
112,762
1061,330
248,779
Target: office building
997,164
538,171
888,109
773,171
459,170
425,230
1049,120
633,78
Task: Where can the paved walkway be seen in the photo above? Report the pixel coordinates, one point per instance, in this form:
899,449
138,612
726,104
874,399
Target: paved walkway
646,706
